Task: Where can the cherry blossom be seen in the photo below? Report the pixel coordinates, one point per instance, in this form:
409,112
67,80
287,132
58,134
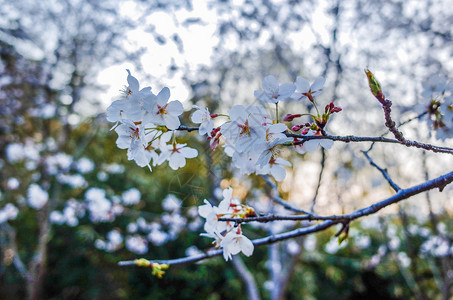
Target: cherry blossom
246,128
164,113
203,117
176,155
275,167
304,90
273,92
235,242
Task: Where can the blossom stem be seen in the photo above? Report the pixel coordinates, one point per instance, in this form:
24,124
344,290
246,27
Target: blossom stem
314,104
276,111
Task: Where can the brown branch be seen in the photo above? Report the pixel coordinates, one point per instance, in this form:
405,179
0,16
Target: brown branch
351,138
323,164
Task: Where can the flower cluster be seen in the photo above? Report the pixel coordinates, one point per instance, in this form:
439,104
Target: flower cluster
225,234
253,137
143,121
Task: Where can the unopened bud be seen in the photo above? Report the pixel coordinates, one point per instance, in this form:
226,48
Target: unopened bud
297,127
375,87
290,117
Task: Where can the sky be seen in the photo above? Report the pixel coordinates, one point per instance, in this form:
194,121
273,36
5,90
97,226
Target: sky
198,40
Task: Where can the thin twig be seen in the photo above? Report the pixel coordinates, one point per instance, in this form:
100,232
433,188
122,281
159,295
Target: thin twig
399,125
323,164
186,128
383,171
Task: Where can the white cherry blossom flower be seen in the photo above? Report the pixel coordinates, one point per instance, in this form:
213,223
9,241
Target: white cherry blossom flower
117,111
164,113
305,90
272,151
203,117
275,131
132,137
128,132
275,167
211,214
245,162
246,129
131,106
176,155
273,92
235,242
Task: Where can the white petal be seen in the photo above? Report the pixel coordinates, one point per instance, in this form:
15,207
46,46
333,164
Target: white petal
163,96
302,84
277,128
311,145
260,95
226,254
205,127
172,122
286,90
132,81
205,210
318,84
246,246
177,161
278,172
264,158
270,83
188,152
282,162
175,108
227,193
197,116
237,112
326,144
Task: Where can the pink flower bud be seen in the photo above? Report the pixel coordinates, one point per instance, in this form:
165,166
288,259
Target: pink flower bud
297,127
290,117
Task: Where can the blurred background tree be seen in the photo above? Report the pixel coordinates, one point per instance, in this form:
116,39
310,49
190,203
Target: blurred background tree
54,57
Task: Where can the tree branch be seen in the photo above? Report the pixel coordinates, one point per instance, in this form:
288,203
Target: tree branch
352,138
439,182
